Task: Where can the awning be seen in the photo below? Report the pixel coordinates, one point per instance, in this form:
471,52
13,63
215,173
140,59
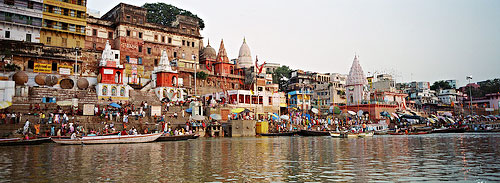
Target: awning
5,104
115,105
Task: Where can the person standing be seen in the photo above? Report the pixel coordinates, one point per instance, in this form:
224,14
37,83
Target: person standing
26,128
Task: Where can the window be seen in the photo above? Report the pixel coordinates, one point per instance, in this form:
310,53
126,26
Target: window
156,37
128,17
94,46
128,32
49,40
64,42
175,54
163,39
192,44
28,37
156,62
140,48
183,55
9,2
30,4
139,60
169,40
116,56
127,58
183,42
7,34
140,34
31,64
149,50
110,35
187,43
77,44
54,66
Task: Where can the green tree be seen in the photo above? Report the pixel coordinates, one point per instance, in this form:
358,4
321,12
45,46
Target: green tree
165,14
201,75
281,76
440,85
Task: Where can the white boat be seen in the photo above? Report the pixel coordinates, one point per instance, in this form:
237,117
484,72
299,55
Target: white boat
111,139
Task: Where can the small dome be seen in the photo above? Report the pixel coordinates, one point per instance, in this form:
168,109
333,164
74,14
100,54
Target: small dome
209,52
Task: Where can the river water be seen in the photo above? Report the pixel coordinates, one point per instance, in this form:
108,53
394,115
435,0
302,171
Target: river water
433,157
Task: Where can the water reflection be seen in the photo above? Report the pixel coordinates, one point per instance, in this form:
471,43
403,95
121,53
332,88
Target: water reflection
455,157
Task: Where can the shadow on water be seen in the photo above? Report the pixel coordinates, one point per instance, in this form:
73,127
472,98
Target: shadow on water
450,157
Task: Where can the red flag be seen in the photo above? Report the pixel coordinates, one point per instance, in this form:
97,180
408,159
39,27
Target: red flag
256,62
261,67
208,67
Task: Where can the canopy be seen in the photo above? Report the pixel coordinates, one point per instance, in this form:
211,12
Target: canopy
189,110
351,112
198,117
431,120
216,116
285,117
360,113
64,103
385,113
115,105
237,110
246,111
314,110
273,115
5,104
447,114
395,115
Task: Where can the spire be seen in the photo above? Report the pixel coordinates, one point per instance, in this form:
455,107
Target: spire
208,42
222,55
244,39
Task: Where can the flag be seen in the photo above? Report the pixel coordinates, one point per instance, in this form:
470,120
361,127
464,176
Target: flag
261,67
208,66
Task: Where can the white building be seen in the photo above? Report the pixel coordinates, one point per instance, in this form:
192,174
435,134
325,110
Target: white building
21,20
448,96
356,84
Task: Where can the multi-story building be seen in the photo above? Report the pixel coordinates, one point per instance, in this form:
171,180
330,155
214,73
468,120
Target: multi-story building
141,43
448,96
300,100
452,83
64,23
21,20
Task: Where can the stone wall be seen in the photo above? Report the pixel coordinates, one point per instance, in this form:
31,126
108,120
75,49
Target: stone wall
243,128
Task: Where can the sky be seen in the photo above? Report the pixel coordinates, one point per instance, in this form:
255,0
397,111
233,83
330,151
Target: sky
414,40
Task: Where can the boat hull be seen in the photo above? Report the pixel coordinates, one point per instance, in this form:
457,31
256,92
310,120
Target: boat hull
19,142
313,133
175,138
111,139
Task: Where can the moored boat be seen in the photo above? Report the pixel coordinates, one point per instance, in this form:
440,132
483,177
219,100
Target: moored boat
448,130
111,139
176,137
19,141
313,133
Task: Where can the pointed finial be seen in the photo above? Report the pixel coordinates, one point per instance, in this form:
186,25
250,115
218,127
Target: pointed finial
208,42
244,39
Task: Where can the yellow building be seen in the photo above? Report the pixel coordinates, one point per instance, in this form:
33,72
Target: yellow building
64,23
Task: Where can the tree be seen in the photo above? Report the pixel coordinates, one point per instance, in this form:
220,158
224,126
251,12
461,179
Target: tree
440,85
281,76
165,14
201,75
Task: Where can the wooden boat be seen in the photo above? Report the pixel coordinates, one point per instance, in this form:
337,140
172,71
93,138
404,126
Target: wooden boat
448,130
393,133
19,141
412,133
381,132
193,136
313,133
174,137
338,134
279,134
111,139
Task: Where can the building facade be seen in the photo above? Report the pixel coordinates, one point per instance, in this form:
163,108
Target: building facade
64,23
21,20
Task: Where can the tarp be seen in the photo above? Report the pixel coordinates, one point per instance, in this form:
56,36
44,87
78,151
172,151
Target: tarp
285,117
189,110
5,104
351,112
237,110
216,116
314,110
198,117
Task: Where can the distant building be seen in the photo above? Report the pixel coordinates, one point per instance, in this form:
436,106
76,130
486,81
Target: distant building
300,99
21,20
64,23
452,83
356,85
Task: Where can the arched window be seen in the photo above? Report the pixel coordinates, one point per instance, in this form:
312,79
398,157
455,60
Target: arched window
118,78
174,81
122,91
113,91
104,90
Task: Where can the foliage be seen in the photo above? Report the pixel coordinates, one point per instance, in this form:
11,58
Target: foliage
485,87
201,75
165,14
279,74
336,110
440,85
11,67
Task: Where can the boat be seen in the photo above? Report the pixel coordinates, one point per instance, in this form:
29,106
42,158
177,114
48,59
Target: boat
448,130
338,134
381,132
111,139
279,134
313,133
19,141
393,133
176,137
411,133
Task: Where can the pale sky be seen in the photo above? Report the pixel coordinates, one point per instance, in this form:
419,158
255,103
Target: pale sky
419,40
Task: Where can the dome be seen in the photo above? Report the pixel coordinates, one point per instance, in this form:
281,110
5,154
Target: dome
245,57
209,52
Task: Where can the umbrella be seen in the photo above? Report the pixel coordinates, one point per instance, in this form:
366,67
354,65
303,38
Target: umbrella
285,117
115,105
351,112
441,118
246,111
198,117
450,120
395,115
273,115
360,113
189,110
314,110
431,120
216,116
385,113
5,104
447,114
237,110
